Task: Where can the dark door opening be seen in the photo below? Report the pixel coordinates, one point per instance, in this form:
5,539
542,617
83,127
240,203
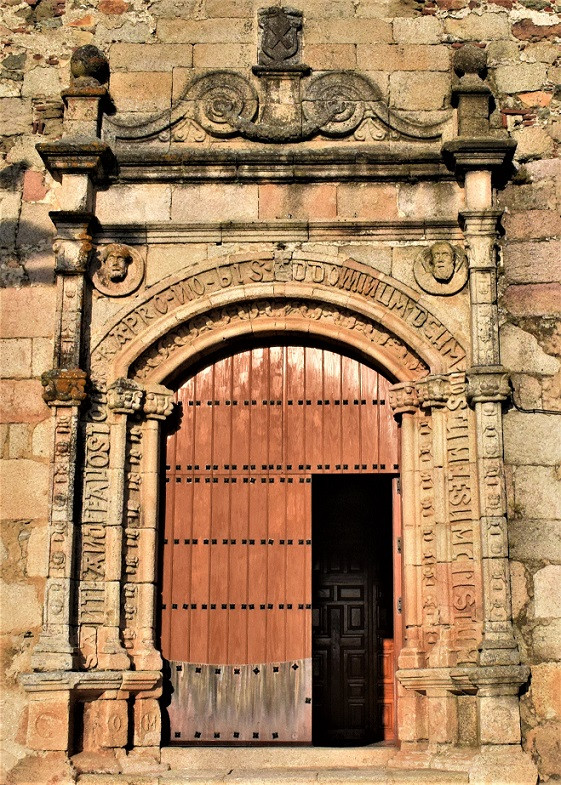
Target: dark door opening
351,607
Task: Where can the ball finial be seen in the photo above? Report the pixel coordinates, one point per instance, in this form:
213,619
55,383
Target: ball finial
89,64
470,59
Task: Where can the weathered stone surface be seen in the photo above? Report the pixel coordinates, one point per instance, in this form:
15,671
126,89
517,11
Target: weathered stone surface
478,27
150,57
367,201
533,299
419,91
330,56
151,202
21,609
547,592
534,539
520,351
533,262
219,203
534,142
380,57
21,401
205,31
545,691
427,200
348,31
533,223
536,491
520,78
141,91
519,589
422,30
15,358
547,640
532,439
223,55
314,202
24,489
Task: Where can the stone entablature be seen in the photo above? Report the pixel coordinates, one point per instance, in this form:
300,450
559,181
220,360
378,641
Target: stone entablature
98,644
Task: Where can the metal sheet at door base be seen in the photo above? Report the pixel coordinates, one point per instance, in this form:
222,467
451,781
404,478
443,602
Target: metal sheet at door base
239,704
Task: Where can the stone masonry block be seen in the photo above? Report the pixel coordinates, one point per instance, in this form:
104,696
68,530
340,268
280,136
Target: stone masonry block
536,491
547,640
547,592
214,203
532,439
529,539
315,202
419,90
19,309
330,56
229,8
15,358
533,262
205,31
520,352
48,724
42,81
149,57
21,609
348,31
42,355
423,30
21,401
533,299
141,91
15,116
24,489
395,57
323,9
223,55
367,201
533,142
478,27
545,690
138,204
520,77
427,200
532,223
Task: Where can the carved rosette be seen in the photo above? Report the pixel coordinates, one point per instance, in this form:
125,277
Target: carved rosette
158,404
124,396
64,386
487,384
404,398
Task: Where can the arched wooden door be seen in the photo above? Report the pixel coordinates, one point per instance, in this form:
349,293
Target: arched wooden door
259,430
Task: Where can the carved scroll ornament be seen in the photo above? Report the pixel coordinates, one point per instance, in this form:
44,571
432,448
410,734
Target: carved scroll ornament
225,104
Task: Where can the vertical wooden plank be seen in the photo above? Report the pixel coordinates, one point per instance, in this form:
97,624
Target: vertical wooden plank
314,409
368,408
200,558
167,556
387,428
258,490
350,414
239,509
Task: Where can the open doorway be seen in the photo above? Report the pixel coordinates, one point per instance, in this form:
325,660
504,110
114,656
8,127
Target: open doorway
352,625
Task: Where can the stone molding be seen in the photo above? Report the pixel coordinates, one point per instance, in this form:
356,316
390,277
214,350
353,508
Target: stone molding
64,386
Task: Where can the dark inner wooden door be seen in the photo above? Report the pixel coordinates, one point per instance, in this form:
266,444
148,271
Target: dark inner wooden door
236,604
352,606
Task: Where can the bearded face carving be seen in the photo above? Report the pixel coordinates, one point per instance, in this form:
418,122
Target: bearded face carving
441,269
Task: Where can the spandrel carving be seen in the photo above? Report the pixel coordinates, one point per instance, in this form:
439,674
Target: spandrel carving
441,269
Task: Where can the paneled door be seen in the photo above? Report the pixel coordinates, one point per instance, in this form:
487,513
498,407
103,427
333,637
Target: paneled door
256,428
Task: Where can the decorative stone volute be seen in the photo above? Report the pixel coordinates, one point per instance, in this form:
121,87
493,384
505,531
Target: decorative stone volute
64,386
489,383
158,403
403,398
124,396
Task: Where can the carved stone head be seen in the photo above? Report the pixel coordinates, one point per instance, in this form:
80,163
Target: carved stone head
119,270
441,269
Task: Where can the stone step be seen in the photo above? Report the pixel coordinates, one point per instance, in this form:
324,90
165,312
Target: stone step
281,757
292,776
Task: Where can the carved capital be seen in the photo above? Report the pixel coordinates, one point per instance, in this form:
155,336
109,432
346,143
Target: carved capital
433,391
487,384
158,403
124,396
71,256
404,398
64,386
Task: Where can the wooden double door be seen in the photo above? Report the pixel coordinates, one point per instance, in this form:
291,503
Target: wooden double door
276,586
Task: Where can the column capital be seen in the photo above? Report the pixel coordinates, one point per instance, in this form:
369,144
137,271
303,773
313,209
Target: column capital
433,391
64,386
158,403
482,223
124,396
90,157
403,398
486,384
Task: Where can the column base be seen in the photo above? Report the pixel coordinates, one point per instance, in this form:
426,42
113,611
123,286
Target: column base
503,764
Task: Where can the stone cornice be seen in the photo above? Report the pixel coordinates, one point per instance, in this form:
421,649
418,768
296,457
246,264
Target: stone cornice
468,153
78,156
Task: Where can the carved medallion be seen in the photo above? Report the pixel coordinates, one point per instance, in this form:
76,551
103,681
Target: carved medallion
441,269
118,270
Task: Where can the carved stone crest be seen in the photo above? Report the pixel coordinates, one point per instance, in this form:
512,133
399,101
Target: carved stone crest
118,270
441,269
279,40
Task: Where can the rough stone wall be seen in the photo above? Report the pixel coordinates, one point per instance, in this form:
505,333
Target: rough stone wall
405,47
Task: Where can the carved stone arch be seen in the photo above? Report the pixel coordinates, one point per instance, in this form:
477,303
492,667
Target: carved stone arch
340,300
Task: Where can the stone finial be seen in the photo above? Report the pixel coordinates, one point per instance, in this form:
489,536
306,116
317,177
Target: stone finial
64,386
470,59
89,67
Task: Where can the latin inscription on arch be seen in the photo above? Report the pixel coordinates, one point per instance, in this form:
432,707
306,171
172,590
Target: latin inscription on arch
350,278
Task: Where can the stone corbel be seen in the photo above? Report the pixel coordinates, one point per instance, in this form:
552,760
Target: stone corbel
64,386
487,384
